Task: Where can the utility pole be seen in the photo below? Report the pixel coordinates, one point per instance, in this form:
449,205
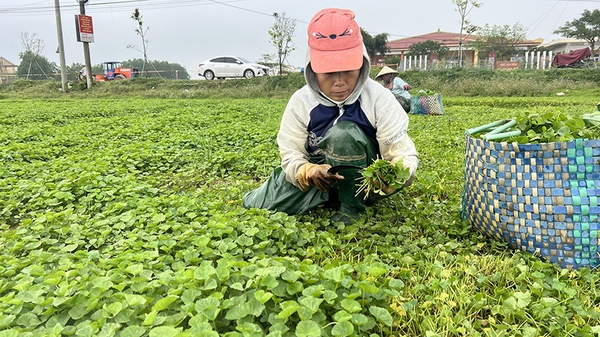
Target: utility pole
61,47
86,49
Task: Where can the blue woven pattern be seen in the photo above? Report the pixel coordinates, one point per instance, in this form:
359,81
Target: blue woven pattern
540,198
427,105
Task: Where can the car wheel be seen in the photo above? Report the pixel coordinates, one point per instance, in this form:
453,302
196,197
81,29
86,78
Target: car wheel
209,75
120,77
248,73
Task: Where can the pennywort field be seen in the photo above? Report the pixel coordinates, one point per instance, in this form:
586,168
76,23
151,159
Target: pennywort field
123,217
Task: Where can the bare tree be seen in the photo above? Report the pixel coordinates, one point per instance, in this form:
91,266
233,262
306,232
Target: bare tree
282,33
142,33
464,7
33,48
502,39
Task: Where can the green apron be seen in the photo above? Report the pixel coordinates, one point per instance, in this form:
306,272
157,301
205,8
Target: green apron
344,144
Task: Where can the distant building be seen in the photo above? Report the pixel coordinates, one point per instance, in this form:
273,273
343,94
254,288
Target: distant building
564,46
450,40
8,71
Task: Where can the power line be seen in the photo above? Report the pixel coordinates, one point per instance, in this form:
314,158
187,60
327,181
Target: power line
32,9
244,9
544,16
100,7
560,16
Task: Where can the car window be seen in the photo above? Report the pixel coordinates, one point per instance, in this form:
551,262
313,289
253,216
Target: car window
218,59
244,60
230,60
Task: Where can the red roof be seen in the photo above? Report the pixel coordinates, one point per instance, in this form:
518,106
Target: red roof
449,40
445,38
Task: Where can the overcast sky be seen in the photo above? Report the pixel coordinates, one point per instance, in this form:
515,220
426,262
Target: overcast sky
190,31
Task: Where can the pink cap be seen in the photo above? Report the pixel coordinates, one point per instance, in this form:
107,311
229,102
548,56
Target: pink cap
335,41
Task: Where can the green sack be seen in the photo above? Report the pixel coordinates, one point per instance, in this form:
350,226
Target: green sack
344,144
278,194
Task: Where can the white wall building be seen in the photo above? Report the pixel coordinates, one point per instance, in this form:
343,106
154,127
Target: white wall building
563,46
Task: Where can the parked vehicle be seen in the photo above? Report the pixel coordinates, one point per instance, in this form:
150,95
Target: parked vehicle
580,58
230,66
114,71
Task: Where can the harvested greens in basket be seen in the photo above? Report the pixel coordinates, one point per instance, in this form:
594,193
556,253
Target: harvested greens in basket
541,127
424,92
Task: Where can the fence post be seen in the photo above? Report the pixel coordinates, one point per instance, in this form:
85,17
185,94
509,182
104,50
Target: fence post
434,60
544,60
538,60
526,59
492,58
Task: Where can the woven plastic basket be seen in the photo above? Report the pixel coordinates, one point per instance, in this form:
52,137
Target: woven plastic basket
427,105
539,198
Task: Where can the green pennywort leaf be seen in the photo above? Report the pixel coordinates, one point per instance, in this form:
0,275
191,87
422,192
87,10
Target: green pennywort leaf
288,308
209,307
133,331
382,315
164,331
343,329
164,303
350,305
262,297
204,271
308,329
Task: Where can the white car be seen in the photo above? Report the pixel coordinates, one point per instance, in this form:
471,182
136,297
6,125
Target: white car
230,66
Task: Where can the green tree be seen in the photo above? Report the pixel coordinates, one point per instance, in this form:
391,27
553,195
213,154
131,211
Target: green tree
281,34
393,59
161,69
375,44
587,27
540,48
33,65
73,70
464,8
502,39
427,48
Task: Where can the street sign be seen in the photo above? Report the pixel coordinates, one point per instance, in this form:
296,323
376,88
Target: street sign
84,27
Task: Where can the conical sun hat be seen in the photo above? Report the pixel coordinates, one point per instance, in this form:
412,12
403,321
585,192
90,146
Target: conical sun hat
384,71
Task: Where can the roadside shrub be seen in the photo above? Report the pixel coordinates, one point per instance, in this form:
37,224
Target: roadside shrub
450,82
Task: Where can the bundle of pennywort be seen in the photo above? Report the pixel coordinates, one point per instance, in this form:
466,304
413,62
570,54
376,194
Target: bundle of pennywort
422,93
541,127
382,173
552,126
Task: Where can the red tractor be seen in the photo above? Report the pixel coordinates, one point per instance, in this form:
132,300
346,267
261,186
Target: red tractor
115,71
